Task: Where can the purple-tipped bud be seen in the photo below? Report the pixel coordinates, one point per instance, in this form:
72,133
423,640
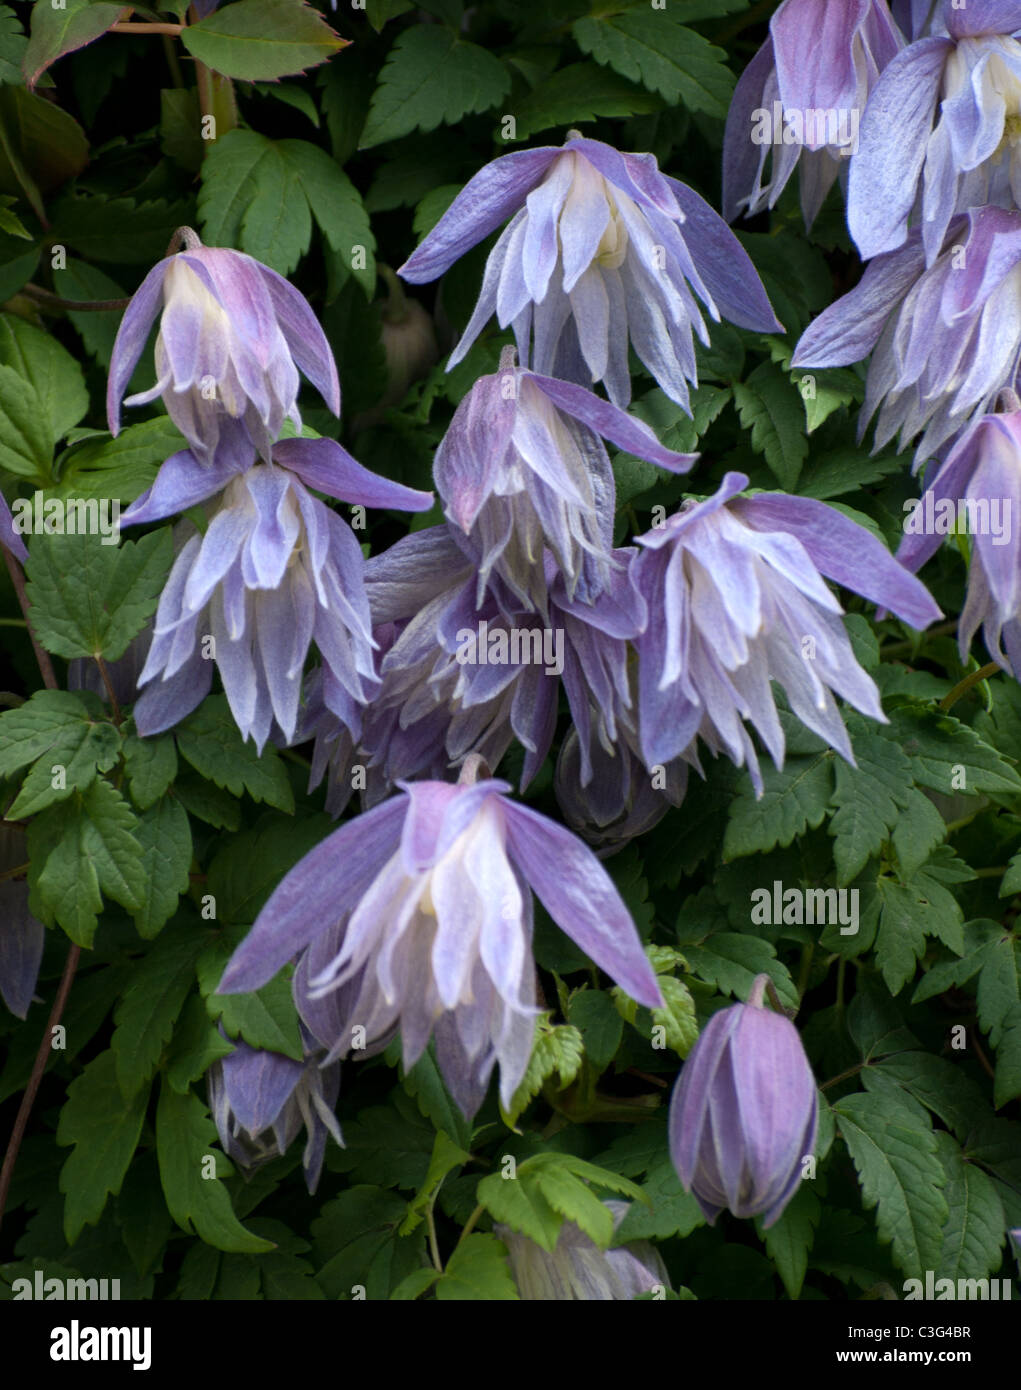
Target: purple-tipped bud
744,1112
579,1270
10,537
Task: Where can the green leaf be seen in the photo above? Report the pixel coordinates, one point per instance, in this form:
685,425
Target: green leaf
593,1013
414,1285
770,407
161,981
210,741
123,467
941,1085
907,912
665,1209
164,833
25,445
69,741
207,802
792,801
823,392
869,799
477,1270
145,1225
51,371
678,1015
446,1156
518,1202
655,49
259,40
247,870
425,1083
262,194
91,599
80,850
557,1051
577,93
896,1154
59,31
1007,1085
265,1018
432,77
12,46
104,1128
199,1205
789,1240
730,961
117,231
355,1237
948,756
391,1143
151,765
196,1044
974,1231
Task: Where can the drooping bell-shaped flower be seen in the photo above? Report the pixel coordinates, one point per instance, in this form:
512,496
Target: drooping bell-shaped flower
421,909
233,337
736,599
602,250
978,490
9,537
744,1112
619,800
22,937
260,1100
577,1269
801,99
523,469
275,570
942,131
944,340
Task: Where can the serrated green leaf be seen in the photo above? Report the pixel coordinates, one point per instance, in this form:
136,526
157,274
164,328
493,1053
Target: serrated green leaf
196,1044
789,1240
731,961
792,801
446,1156
199,1205
391,1143
477,1270
518,1202
50,370
123,467
210,741
678,1015
432,77
61,734
974,1230
104,1128
56,31
91,599
948,756
654,49
151,765
25,445
355,1238
601,1027
145,1017
260,40
578,93
770,407
557,1051
164,833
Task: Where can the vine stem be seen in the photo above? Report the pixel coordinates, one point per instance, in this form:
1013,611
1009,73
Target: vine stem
41,655
38,1067
962,687
77,305
174,30
470,1225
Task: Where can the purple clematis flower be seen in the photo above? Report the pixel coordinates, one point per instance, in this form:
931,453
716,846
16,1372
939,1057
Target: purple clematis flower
260,1100
736,598
620,800
943,126
22,937
522,468
422,909
802,97
9,537
602,248
744,1112
578,1270
233,336
946,339
275,570
978,489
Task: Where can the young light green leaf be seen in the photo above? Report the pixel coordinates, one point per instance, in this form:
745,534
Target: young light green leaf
261,40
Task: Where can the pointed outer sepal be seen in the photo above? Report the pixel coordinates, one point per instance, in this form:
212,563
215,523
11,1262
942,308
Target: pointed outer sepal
134,328
304,336
992,250
998,477
258,1084
724,265
165,703
322,464
472,451
949,483
21,948
813,47
849,329
482,204
845,552
182,482
318,892
637,175
437,814
777,1102
681,521
9,538
892,144
743,160
408,574
611,422
982,17
579,895
690,1102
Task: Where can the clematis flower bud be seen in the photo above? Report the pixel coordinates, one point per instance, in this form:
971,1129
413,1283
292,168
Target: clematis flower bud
9,537
577,1269
233,336
744,1112
260,1100
21,937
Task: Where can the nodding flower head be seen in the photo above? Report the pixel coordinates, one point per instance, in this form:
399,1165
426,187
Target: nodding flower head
233,337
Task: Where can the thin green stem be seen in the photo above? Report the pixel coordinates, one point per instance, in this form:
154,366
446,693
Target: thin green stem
13,622
470,1225
843,1076
962,687
434,1249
